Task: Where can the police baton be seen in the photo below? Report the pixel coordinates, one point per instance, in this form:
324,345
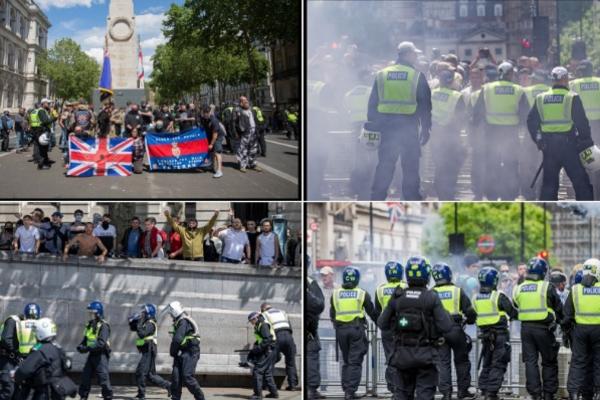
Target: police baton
537,174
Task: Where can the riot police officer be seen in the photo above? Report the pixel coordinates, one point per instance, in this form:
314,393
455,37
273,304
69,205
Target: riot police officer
185,350
560,128
348,306
47,364
315,304
539,308
582,321
144,325
448,115
263,356
503,108
285,345
400,104
418,319
96,342
458,306
493,309
16,342
393,274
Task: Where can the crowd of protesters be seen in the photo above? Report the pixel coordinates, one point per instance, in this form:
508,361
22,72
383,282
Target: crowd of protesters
238,129
237,242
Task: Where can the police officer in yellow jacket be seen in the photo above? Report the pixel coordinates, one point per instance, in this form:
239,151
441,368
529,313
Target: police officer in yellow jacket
263,356
348,306
16,341
470,95
458,306
502,108
418,320
285,344
400,106
448,115
540,309
259,117
146,329
185,350
529,156
96,342
588,89
560,128
582,320
493,309
393,274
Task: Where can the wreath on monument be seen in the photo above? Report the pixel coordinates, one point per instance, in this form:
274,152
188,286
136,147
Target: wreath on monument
123,37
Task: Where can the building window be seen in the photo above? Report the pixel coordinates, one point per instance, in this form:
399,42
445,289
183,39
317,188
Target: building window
481,10
13,20
468,52
498,51
11,57
463,10
497,10
23,28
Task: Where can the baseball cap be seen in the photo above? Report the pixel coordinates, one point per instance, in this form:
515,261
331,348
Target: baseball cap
45,100
57,214
405,47
559,73
327,270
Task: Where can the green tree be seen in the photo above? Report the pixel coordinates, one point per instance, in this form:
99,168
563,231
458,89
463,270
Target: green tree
587,30
237,27
74,73
500,220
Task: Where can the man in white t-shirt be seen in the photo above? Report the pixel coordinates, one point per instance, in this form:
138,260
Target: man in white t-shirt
236,246
27,237
107,233
267,246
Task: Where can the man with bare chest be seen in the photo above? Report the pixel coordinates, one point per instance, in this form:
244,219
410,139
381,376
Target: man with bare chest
87,244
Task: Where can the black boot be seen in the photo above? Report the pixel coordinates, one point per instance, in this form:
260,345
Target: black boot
491,396
447,396
466,395
548,396
536,397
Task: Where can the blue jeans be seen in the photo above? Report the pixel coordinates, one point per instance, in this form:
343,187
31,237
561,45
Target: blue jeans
64,139
21,139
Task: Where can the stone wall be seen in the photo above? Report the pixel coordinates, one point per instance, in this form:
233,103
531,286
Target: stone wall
218,296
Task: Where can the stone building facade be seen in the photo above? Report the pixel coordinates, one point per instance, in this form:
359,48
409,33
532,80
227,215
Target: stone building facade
23,37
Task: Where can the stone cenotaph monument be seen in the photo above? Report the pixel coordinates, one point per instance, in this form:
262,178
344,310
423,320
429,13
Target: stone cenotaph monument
122,42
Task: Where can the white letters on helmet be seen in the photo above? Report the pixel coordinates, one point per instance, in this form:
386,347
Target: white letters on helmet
590,158
175,309
45,328
43,139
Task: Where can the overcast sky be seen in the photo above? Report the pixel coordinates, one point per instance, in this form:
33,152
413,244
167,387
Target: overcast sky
85,22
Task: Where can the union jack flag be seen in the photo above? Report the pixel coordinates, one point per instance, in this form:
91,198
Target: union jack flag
100,157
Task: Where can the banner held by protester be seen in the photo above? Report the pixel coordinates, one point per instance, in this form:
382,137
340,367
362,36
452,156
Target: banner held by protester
168,151
100,157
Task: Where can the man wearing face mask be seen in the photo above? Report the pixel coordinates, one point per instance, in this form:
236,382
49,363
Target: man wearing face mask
78,226
107,233
192,236
166,116
133,121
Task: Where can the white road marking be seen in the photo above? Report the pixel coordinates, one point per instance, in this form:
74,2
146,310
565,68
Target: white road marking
281,144
279,173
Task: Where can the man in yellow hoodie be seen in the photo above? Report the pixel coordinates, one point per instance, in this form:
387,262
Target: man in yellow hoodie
192,237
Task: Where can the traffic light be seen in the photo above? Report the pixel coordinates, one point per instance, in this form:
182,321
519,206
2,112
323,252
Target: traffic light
456,243
544,254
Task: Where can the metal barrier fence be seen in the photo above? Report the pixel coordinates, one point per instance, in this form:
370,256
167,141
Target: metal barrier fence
373,376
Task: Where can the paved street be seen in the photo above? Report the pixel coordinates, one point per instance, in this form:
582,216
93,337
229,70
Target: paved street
279,179
345,155
153,393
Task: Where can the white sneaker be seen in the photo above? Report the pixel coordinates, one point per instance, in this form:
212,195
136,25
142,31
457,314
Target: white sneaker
218,174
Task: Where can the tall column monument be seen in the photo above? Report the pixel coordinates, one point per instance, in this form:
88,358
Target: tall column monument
122,44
